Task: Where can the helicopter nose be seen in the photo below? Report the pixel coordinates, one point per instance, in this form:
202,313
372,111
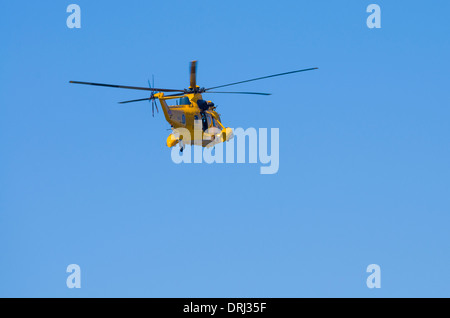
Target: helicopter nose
171,141
227,134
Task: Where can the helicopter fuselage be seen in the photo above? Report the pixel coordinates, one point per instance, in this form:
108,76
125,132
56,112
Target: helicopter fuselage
191,123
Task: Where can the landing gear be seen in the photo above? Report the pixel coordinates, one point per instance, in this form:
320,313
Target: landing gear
181,143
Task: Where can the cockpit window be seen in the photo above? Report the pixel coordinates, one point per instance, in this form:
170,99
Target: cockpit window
184,101
204,122
209,118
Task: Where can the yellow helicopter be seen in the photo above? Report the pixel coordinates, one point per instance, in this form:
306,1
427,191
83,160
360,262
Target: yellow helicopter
193,120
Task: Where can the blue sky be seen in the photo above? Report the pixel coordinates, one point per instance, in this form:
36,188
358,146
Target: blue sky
364,151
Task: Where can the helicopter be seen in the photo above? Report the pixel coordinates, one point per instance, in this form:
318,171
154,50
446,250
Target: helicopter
193,120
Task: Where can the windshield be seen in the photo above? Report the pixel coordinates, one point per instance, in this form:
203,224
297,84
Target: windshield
184,101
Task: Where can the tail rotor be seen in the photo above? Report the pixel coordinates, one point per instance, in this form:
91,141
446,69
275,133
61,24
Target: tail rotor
152,98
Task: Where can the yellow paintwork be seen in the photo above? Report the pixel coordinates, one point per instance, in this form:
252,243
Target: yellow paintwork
183,116
171,141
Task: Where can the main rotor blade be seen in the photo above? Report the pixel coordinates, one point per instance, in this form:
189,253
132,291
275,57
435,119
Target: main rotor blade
150,99
252,93
174,95
259,78
136,100
193,78
130,87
